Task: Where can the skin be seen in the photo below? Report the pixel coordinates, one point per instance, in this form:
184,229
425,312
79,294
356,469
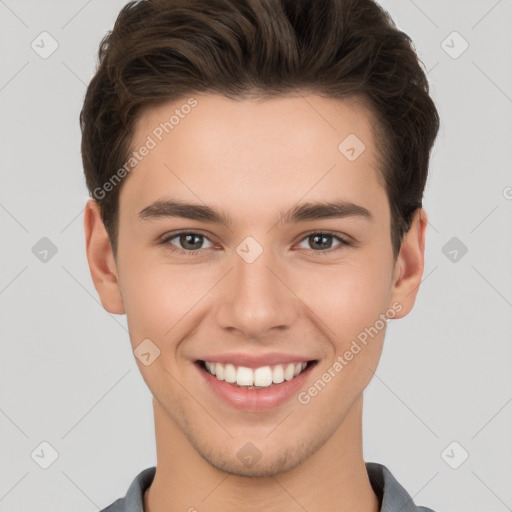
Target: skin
254,159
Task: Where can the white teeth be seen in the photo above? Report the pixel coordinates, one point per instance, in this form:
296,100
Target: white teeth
219,371
210,367
244,376
264,376
289,373
278,374
229,373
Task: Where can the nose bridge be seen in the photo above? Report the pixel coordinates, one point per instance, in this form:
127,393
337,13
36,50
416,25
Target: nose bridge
256,300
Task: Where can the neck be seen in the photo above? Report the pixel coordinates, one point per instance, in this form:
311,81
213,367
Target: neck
333,478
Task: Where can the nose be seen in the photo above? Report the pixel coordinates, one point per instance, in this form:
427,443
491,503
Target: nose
256,298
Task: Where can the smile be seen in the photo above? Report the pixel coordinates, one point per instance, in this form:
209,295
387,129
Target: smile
255,383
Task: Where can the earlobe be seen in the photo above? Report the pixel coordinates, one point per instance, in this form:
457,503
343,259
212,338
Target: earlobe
409,266
101,260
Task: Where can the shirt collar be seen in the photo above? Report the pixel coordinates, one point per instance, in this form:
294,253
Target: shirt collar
392,496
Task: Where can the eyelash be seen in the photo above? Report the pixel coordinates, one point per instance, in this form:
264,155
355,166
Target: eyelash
344,242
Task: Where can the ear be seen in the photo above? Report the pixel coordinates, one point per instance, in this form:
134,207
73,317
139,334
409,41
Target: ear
101,260
409,265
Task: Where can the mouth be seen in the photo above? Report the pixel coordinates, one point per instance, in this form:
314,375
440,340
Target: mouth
256,389
254,382
263,377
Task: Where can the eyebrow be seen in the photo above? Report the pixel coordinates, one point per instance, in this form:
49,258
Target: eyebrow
302,213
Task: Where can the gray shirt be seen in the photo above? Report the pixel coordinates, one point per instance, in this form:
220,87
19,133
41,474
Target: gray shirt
392,496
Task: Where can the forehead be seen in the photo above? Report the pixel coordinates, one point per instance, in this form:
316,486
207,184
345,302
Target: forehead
282,149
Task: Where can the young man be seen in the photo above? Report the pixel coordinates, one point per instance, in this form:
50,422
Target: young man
256,170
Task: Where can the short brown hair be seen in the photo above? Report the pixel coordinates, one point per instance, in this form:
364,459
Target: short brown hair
163,50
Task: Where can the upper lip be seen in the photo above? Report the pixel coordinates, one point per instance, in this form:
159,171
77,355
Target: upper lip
256,361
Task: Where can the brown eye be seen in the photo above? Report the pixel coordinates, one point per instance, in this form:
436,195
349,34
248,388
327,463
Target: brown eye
190,241
323,242
186,242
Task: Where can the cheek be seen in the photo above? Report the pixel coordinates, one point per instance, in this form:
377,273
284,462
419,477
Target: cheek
160,298
348,297
350,302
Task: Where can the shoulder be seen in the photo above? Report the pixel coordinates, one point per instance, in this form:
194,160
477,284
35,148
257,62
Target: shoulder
134,499
117,506
391,494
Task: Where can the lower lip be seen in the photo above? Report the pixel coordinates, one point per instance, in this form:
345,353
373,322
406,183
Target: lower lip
255,400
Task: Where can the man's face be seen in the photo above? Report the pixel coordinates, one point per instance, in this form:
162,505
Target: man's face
261,285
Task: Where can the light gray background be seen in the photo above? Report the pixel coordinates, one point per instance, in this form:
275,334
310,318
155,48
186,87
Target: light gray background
67,374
